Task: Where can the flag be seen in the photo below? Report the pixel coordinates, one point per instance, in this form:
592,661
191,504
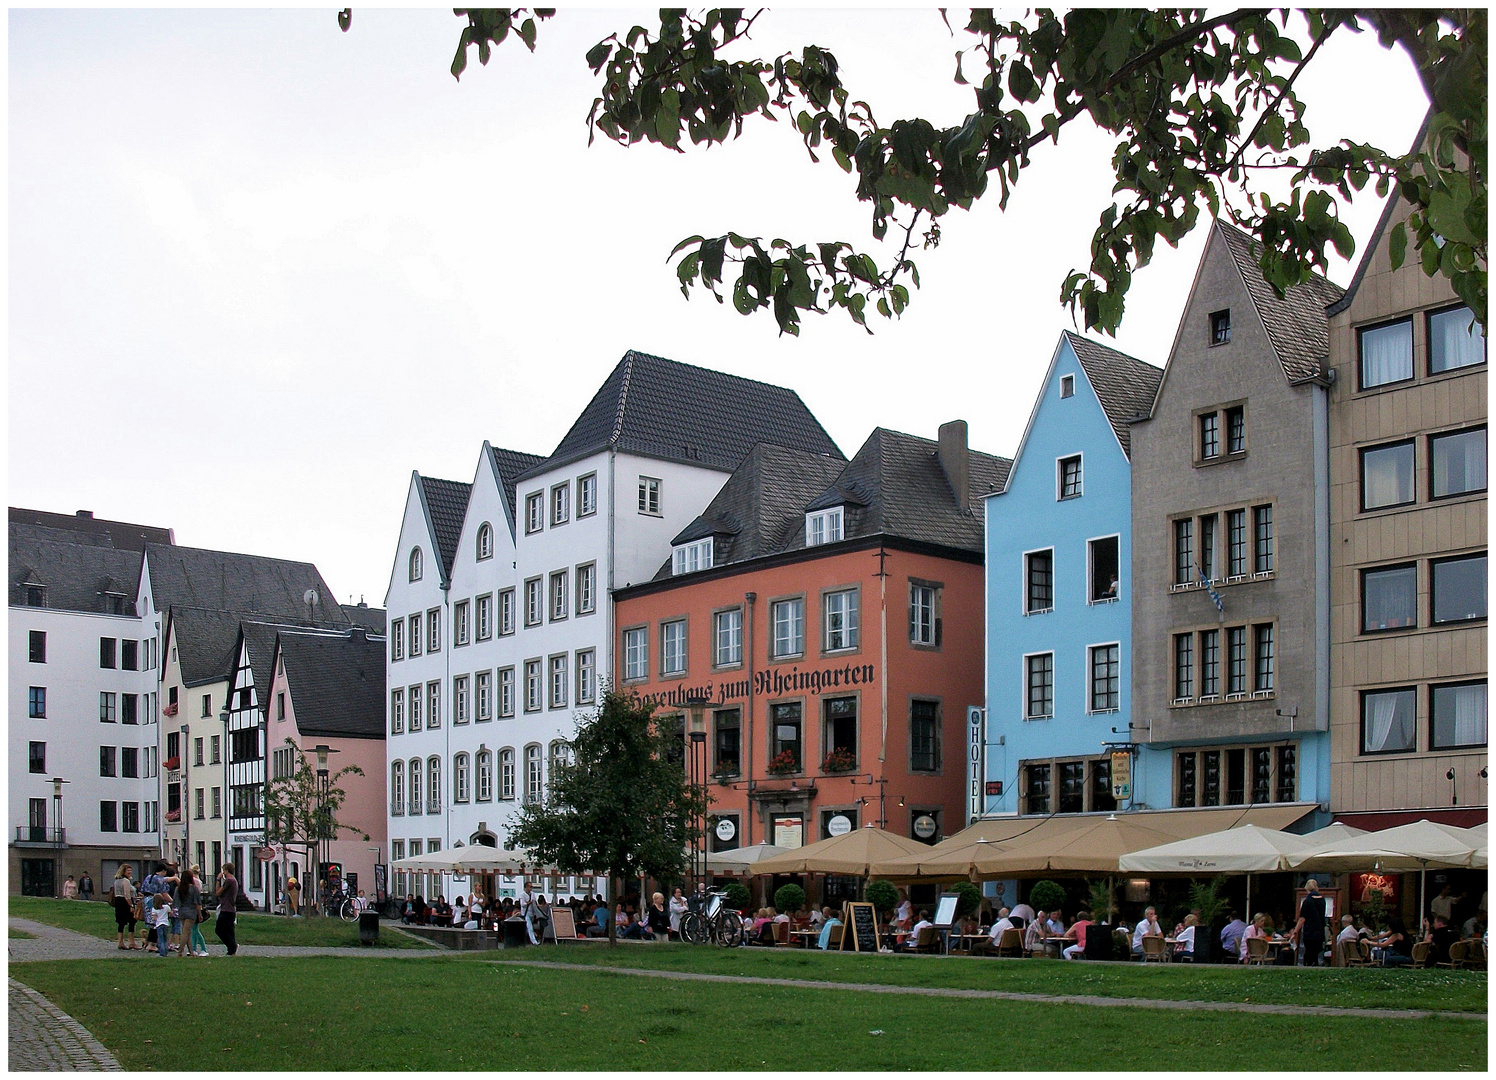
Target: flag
1214,596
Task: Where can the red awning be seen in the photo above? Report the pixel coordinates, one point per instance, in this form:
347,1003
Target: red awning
1465,817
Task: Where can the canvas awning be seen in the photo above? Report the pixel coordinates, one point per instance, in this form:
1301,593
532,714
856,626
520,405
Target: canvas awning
1242,850
852,853
741,860
1419,845
473,859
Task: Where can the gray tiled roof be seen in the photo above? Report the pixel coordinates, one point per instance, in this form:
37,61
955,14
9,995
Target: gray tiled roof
77,576
370,618
1296,323
510,464
678,412
117,534
336,682
1124,385
261,640
446,501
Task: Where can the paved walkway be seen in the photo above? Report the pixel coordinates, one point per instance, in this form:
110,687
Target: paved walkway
56,943
43,1038
1008,995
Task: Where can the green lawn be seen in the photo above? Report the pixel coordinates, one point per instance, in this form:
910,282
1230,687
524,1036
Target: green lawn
97,919
20,933
1385,988
449,1013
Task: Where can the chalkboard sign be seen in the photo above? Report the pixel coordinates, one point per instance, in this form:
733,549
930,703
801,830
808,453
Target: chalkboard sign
565,923
862,922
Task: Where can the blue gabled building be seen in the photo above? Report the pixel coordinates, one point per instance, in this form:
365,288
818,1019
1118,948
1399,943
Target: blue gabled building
1059,613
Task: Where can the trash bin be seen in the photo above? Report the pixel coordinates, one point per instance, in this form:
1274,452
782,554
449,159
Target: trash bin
516,933
368,928
1098,942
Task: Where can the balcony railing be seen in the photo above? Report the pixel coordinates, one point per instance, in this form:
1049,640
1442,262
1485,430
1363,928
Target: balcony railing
433,805
40,834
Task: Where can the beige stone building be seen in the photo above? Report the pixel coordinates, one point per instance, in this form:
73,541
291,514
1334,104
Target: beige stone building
1407,432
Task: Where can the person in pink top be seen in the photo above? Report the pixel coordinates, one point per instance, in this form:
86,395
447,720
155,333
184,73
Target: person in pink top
1258,929
1078,932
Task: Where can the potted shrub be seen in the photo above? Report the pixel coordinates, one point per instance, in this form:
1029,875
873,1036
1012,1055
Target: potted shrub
969,898
1208,897
1046,896
782,764
883,896
738,896
839,761
789,899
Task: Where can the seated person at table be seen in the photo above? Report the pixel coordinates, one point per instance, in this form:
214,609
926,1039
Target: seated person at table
780,916
408,915
422,911
818,917
1184,940
1258,929
1348,931
1056,924
1077,932
969,926
995,934
1396,945
1440,938
1021,912
1033,937
597,926
761,930
1147,926
1231,935
1475,926
459,910
824,941
922,922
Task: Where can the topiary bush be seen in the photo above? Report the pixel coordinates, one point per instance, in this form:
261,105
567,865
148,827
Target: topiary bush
882,895
738,896
970,898
789,898
1046,895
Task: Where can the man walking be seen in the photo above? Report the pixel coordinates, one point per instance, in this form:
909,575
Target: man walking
85,886
228,900
1310,929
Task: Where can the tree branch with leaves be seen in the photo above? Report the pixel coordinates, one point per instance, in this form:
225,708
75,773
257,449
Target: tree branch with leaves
300,812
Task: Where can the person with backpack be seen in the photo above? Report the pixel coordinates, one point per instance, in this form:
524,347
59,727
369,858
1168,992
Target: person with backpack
228,908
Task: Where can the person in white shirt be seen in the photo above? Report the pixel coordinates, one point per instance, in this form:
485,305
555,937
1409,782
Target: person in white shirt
995,933
1056,924
924,921
905,914
1024,912
1184,939
1147,925
818,916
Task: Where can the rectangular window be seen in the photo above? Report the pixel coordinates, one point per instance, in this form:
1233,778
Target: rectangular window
534,512
587,495
129,759
433,630
197,751
1210,778
1263,557
1457,463
558,595
1455,340
789,627
649,495
1210,435
1185,777
924,736
433,705
1210,663
506,775
483,617
533,602
460,626
37,646
414,623
1104,567
1459,589
483,695
842,617
924,622
727,638
1101,785
280,707
397,639
1288,773
1386,354
727,743
107,708
128,654
1220,327
36,702
1208,546
636,653
1072,787
397,712
1389,598
1236,543
1069,477
673,647
460,699
1262,774
1236,430
1184,666
106,652
414,700
1184,551
218,802
1387,476
506,692
37,752
506,612
1264,651
215,747
1038,575
689,558
1458,716
586,676
823,527
785,744
128,709
1038,788
108,820
532,686
587,589
1040,681
1389,721
559,681
1106,678
1067,386
839,734
1236,660
244,745
561,503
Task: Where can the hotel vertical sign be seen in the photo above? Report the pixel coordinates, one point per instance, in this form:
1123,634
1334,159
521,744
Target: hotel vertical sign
976,762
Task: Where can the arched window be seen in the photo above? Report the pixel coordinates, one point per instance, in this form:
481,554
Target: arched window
415,564
415,785
485,775
534,775
559,753
434,785
461,778
485,541
397,788
506,774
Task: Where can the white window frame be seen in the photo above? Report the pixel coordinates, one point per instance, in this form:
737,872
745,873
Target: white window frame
586,676
485,541
461,629
483,762
1090,673
851,629
1091,542
635,653
734,648
417,564
650,500
415,639
1023,683
506,774
673,648
1059,476
795,625
534,601
587,495
560,503
824,526
433,704
1023,584
483,696
413,700
504,612
558,596
586,588
504,695
397,711
460,699
461,778
534,512
1067,386
689,558
557,680
397,639
483,617
914,607
534,685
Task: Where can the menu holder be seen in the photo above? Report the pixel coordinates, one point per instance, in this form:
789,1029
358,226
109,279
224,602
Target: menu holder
564,923
862,922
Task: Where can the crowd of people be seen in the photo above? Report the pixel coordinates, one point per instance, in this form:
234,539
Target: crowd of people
168,908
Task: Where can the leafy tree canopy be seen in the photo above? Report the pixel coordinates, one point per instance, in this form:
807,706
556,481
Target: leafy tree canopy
1202,106
299,810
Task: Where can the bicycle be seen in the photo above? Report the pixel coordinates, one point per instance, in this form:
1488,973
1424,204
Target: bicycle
718,923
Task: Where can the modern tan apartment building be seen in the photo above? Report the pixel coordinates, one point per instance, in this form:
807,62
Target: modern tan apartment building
1407,430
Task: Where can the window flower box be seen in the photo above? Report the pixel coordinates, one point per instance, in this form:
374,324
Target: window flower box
783,763
839,761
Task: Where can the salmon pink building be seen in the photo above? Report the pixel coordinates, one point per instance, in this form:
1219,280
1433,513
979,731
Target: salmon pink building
826,617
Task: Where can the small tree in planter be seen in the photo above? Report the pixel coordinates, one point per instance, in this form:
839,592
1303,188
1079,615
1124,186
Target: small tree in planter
1209,898
1103,903
883,896
789,898
969,898
738,896
1374,909
1046,896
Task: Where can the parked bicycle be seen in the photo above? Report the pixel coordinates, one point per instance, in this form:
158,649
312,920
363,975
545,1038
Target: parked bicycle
719,923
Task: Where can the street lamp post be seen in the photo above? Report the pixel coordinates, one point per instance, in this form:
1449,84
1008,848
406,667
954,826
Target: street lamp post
57,831
324,838
696,707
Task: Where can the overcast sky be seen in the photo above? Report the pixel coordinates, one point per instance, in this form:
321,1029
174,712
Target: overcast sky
261,270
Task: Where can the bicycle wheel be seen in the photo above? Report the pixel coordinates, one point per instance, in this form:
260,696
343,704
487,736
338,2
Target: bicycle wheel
348,912
692,928
729,929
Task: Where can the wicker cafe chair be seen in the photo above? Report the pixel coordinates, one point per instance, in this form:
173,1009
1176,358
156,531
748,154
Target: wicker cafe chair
833,940
1420,954
1351,954
1153,948
1458,950
928,940
1256,950
1011,943
1476,957
781,933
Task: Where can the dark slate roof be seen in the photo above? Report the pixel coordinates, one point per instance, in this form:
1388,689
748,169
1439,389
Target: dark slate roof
207,643
117,534
510,464
446,502
336,682
1296,323
678,412
1124,385
261,640
370,618
77,576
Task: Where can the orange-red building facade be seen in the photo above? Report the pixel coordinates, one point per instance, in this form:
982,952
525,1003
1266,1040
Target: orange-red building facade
901,708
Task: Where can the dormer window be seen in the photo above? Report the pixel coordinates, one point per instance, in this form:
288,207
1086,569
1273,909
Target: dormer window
36,596
692,557
823,527
1067,386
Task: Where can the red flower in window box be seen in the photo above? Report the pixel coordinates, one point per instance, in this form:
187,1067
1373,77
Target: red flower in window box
839,761
174,815
783,763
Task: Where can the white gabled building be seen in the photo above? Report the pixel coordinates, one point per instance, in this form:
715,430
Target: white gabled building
500,617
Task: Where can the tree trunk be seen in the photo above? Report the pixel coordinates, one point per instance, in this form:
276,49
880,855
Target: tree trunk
612,922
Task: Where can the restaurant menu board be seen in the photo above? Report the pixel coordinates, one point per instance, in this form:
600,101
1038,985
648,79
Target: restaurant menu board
564,922
945,914
861,923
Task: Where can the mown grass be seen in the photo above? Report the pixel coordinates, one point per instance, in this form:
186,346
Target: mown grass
97,920
21,934
383,1013
1380,988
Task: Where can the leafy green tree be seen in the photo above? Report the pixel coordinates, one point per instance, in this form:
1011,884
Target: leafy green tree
789,898
1046,895
300,813
619,801
882,895
1202,106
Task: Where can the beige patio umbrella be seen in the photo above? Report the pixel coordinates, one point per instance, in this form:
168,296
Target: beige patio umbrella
953,863
473,859
1415,847
852,853
1087,845
1246,849
741,860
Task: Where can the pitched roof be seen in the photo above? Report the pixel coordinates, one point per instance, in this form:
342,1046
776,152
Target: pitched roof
509,465
260,637
117,534
446,502
1124,385
678,412
336,682
78,576
1296,323
370,618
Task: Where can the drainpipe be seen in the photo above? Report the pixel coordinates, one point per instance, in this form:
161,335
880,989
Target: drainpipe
749,598
883,658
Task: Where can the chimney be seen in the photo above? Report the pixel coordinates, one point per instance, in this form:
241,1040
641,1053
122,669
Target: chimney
85,513
955,461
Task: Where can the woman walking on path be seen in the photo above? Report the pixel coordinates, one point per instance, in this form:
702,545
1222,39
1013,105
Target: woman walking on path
70,889
124,906
228,909
189,909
